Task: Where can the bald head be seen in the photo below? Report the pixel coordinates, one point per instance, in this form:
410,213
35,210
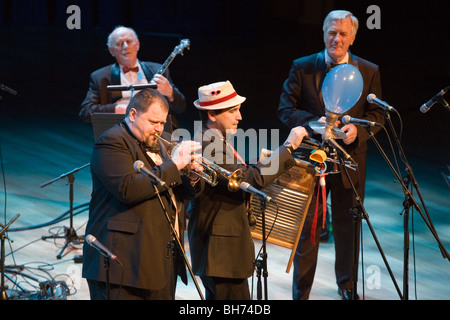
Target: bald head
123,44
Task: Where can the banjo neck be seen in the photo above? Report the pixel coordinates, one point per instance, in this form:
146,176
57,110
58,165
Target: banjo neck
185,43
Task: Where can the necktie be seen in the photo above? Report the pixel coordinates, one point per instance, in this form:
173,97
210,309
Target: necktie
236,154
126,70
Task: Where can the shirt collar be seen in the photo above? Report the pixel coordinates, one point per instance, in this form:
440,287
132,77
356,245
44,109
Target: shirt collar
137,64
329,60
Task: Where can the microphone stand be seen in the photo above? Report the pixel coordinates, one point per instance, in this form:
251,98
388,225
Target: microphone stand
409,200
178,242
106,264
365,216
3,295
445,104
261,264
70,233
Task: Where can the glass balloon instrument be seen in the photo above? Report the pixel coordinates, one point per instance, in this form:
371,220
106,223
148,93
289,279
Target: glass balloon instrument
341,90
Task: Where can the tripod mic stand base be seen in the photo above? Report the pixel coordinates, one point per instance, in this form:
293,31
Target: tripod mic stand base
70,236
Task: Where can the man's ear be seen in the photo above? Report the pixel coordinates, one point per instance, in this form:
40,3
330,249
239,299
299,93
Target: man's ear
353,40
212,116
132,114
138,45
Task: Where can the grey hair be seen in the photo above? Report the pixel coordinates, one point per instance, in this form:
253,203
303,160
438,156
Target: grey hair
110,41
341,15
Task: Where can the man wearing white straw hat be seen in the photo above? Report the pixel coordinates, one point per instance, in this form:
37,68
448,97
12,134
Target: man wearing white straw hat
221,245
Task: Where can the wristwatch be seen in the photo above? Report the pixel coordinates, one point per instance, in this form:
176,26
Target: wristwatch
289,146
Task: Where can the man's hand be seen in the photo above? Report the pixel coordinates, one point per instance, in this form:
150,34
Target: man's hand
350,133
296,136
164,86
184,154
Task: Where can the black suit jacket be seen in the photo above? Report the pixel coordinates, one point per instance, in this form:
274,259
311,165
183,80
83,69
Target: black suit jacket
125,214
220,240
99,99
301,102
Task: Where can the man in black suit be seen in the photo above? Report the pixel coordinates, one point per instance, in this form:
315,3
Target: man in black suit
301,102
124,45
221,246
125,213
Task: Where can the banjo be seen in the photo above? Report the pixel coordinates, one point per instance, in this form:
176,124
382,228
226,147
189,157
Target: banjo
179,49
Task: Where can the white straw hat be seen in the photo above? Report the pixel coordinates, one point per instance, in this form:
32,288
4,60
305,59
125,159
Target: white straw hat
216,96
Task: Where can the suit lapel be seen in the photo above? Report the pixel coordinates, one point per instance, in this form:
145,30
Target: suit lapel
353,60
115,74
319,75
115,80
149,74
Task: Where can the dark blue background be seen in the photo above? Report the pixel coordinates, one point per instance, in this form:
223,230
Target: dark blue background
251,43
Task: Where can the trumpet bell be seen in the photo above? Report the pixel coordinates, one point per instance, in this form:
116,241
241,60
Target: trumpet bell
235,180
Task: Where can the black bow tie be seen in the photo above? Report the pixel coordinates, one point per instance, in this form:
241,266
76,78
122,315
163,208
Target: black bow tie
331,65
152,149
126,70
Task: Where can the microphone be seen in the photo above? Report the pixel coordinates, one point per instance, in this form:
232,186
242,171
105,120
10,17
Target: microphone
92,241
245,186
140,167
437,98
365,123
371,98
9,90
328,138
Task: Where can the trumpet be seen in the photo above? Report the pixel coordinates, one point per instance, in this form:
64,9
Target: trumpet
212,170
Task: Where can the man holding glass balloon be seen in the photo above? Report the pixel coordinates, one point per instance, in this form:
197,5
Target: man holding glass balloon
302,103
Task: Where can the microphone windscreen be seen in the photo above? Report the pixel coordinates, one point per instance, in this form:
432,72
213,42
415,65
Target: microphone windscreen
90,239
138,165
371,97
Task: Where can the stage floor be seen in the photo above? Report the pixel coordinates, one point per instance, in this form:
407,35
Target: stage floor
36,150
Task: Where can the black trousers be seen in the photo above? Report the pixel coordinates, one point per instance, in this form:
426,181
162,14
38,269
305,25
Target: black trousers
225,288
98,289
343,224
